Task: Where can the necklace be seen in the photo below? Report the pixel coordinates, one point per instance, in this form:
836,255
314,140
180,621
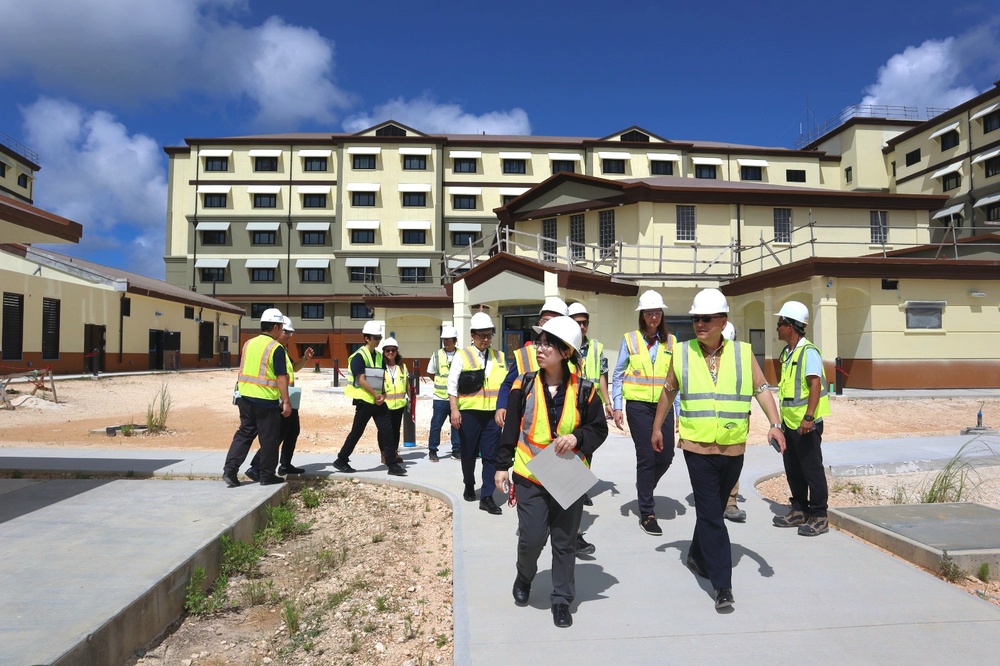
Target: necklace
713,362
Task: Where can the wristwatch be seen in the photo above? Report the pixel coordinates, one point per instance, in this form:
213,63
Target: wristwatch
776,425
808,417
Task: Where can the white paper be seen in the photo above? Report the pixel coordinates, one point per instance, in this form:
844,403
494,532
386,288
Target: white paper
565,477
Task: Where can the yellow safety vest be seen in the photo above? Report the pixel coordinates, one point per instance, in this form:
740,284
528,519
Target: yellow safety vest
715,413
395,389
592,364
441,377
486,398
793,389
526,359
289,368
257,378
643,379
536,432
352,390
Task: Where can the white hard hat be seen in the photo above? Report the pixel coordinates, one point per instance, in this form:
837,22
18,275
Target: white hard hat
578,308
709,301
794,310
565,328
650,300
390,342
448,331
480,322
555,304
272,316
729,331
372,327
288,325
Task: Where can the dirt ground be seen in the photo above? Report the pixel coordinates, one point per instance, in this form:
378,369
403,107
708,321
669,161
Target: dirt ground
378,589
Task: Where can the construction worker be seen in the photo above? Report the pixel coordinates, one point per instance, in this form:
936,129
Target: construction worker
396,378
732,512
802,394
642,365
366,366
474,381
263,400
289,426
716,379
438,366
551,407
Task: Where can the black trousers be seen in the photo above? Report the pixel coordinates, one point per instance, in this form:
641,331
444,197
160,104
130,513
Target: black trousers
712,479
290,430
395,429
363,413
256,421
649,465
540,517
479,435
804,469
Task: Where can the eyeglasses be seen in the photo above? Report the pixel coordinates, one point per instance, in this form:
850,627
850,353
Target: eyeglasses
375,337
482,336
544,344
784,322
705,319
582,322
390,350
652,313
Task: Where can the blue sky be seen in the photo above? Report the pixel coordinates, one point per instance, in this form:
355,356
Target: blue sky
97,87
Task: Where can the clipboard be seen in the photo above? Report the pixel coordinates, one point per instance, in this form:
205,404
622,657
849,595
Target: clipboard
566,477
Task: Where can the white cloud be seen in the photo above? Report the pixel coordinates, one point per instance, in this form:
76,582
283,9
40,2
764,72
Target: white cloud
429,116
113,183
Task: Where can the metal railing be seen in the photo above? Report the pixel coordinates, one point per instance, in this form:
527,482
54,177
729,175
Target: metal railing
886,111
19,148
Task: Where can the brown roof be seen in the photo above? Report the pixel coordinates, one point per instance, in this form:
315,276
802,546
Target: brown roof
568,277
28,217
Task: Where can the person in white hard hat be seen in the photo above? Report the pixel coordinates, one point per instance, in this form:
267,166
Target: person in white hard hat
551,407
263,388
438,366
643,359
802,393
524,358
732,512
395,382
474,381
716,380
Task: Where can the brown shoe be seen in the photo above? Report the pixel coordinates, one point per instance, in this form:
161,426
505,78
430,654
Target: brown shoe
793,518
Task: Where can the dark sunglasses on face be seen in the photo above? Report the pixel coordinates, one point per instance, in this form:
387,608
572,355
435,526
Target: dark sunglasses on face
705,319
784,322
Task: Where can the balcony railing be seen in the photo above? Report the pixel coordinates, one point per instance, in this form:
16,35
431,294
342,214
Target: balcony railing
867,111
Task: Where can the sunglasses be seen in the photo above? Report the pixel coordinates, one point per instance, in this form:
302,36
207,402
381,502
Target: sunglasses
784,322
582,322
705,319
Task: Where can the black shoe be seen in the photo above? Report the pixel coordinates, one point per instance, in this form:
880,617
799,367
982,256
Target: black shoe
521,591
433,456
724,597
650,526
456,455
395,469
230,479
270,479
289,469
469,495
252,474
560,616
696,567
343,466
584,547
489,506
587,501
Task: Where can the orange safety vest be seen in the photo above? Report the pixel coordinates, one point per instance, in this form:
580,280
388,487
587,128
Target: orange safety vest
536,431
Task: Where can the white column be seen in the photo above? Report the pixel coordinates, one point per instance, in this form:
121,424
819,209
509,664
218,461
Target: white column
460,311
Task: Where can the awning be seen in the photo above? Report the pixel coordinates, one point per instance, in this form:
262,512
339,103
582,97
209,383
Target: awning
986,156
212,226
362,224
414,187
4,160
944,130
751,163
265,152
214,189
410,150
211,263
515,156
312,263
464,226
313,189
986,111
309,152
663,157
614,155
361,262
512,191
465,190
363,187
263,226
364,150
413,263
467,154
263,189
215,152
951,168
312,226
957,209
988,201
413,224
261,263
565,157
708,161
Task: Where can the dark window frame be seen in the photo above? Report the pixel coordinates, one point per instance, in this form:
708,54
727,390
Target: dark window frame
912,157
687,223
312,275
706,171
465,165
261,200
257,309
991,167
414,274
463,238
51,313
783,225
950,181
362,273
550,232
263,237
362,236
265,163
214,237
751,173
362,199
414,163
316,237
878,222
364,162
314,200
468,201
577,235
949,139
514,165
414,237
310,310
558,166
315,164
214,200
217,163
361,311
661,168
213,274
414,199
795,175
613,166
262,274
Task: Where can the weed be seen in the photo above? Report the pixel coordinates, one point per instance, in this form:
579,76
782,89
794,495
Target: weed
950,571
380,604
441,640
281,524
157,411
355,645
983,573
378,538
81,475
408,630
258,592
951,482
339,597
199,602
368,628
127,430
416,569
444,573
240,558
291,615
310,498
16,474
130,474
899,495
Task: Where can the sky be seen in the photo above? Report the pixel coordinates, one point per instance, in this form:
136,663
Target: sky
97,88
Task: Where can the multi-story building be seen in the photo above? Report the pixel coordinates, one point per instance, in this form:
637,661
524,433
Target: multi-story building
18,165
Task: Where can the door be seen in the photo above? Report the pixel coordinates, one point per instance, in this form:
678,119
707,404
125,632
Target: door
172,350
757,345
155,349
93,348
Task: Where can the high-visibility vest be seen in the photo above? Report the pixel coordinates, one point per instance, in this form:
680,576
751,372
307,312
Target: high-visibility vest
257,378
395,389
793,389
289,368
352,390
643,380
536,431
526,359
715,413
592,364
486,398
441,377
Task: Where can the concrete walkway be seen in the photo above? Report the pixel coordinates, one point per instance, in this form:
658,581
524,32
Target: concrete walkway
79,553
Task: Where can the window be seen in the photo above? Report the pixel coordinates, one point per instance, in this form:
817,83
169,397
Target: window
265,201
213,274
363,162
390,130
213,237
464,202
315,164
515,166
704,171
613,166
314,238
188,312
50,328
313,275
751,173
949,140
414,162
951,181
992,167
993,213
606,232
924,314
362,273
635,136
991,122
569,166
661,168
414,237
879,220
265,164
262,275
206,339
362,236
264,237
314,201
12,343
362,198
215,201
577,236
782,225
849,175
257,309
464,238
465,165
507,198
126,307
3,169
795,175
686,230
361,311
216,164
414,199
22,180
912,157
413,274
548,239
312,311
